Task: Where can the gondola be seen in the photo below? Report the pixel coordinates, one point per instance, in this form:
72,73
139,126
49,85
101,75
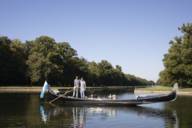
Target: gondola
51,96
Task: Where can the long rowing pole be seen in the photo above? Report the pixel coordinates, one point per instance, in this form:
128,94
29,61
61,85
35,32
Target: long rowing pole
55,99
60,96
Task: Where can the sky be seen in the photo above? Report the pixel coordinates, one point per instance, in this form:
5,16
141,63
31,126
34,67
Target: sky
134,34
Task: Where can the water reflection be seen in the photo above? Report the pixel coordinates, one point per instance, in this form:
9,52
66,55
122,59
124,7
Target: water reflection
82,117
182,106
25,111
78,115
44,115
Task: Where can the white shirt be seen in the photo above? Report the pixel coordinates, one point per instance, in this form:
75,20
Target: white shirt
82,85
76,83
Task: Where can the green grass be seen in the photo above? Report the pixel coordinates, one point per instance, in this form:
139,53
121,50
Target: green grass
186,89
163,88
155,88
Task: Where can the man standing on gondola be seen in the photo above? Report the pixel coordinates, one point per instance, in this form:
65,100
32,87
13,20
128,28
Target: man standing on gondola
76,87
82,87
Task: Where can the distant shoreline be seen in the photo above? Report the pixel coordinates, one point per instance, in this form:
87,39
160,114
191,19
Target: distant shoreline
163,89
182,92
26,89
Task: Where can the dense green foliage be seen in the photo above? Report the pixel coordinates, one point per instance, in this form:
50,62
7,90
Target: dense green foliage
42,59
178,60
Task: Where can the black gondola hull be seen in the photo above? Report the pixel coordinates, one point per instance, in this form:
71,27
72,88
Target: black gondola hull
61,99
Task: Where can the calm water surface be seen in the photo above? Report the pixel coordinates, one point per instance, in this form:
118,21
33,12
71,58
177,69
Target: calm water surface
26,111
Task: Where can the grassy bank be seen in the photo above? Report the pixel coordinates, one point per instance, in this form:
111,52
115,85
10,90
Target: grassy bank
154,88
13,89
143,90
163,89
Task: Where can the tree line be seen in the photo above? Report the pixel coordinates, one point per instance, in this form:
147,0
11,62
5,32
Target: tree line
33,62
178,60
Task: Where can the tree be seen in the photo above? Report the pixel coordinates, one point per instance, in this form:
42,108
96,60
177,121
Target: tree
42,59
178,60
19,56
12,62
51,61
94,73
38,61
118,68
5,60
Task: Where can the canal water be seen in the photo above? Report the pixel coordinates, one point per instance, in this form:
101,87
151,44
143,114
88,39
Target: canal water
26,111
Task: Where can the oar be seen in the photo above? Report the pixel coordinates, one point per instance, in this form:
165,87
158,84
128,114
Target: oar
60,96
67,92
55,99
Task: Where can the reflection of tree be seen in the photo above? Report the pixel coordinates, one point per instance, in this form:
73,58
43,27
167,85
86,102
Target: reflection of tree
14,110
183,107
19,110
170,117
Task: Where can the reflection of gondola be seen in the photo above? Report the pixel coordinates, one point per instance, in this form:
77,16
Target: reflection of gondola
79,115
170,117
152,112
52,96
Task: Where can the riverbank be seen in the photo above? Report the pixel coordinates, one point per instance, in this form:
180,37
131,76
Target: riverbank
148,90
163,89
12,89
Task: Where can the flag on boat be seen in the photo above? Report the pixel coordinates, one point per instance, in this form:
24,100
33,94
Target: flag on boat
44,89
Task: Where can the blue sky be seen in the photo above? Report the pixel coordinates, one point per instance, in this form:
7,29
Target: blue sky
132,33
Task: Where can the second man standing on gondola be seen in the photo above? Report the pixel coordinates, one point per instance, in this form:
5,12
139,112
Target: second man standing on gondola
82,87
76,87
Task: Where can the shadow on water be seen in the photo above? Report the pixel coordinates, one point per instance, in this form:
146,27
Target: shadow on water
82,117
